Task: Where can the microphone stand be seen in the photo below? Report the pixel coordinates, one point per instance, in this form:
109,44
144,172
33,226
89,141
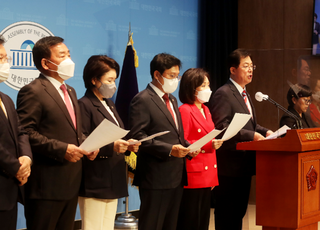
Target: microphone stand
298,121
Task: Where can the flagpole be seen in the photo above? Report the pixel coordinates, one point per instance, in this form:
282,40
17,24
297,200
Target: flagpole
127,220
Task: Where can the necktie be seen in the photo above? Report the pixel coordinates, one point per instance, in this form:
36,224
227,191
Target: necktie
245,98
166,99
4,111
68,104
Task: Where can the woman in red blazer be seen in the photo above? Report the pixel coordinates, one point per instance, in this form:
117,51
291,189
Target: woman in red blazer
202,169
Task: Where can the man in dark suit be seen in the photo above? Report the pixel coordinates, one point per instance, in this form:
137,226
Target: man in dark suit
235,168
15,153
49,112
160,172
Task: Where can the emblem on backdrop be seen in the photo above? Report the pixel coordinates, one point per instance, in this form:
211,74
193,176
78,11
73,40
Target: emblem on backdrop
20,38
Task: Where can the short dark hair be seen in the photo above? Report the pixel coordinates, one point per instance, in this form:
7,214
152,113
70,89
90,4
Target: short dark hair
315,15
162,62
305,58
191,79
42,49
304,91
2,40
235,57
96,67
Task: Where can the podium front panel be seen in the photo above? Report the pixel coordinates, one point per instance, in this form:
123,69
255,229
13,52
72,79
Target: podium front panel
310,165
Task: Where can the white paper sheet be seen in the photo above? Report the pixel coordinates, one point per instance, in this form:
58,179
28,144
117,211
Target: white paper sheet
148,138
204,140
279,132
238,121
105,133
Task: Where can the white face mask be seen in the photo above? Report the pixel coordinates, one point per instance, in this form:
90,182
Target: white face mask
65,68
107,90
4,71
169,85
204,95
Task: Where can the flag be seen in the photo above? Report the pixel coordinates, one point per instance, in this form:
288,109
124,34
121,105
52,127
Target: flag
128,85
127,89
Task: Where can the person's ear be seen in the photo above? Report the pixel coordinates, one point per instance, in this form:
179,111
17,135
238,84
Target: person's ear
93,81
44,64
232,70
294,100
156,75
294,72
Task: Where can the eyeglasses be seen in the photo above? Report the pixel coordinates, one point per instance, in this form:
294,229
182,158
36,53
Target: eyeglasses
306,69
171,76
246,67
307,101
5,60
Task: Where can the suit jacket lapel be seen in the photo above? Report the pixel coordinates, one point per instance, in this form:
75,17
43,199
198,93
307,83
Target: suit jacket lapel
76,108
177,112
252,108
6,120
203,122
115,113
240,99
162,106
51,90
100,107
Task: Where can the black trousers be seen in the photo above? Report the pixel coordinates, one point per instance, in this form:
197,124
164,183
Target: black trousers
232,196
194,211
8,219
159,208
50,214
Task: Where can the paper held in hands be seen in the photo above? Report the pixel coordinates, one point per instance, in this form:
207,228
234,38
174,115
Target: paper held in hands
204,140
101,136
239,120
148,138
278,133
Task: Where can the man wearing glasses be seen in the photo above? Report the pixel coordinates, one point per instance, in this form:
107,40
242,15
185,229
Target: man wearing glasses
302,72
161,169
235,167
15,152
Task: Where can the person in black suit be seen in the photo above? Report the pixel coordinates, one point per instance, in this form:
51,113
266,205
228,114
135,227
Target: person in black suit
49,112
15,153
299,100
161,168
104,180
315,35
235,167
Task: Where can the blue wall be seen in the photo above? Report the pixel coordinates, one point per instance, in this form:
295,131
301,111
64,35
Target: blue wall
101,27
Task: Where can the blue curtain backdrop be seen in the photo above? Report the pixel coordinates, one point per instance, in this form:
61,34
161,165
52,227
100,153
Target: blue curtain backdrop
101,27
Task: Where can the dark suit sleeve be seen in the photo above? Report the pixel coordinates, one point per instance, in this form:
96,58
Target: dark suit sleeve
8,159
24,145
141,125
9,164
30,111
222,114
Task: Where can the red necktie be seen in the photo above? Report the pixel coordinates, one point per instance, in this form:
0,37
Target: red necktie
68,104
244,95
166,99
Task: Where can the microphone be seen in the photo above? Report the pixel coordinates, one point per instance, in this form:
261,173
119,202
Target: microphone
260,97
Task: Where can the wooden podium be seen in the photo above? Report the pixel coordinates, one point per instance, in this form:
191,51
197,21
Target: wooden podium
287,180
